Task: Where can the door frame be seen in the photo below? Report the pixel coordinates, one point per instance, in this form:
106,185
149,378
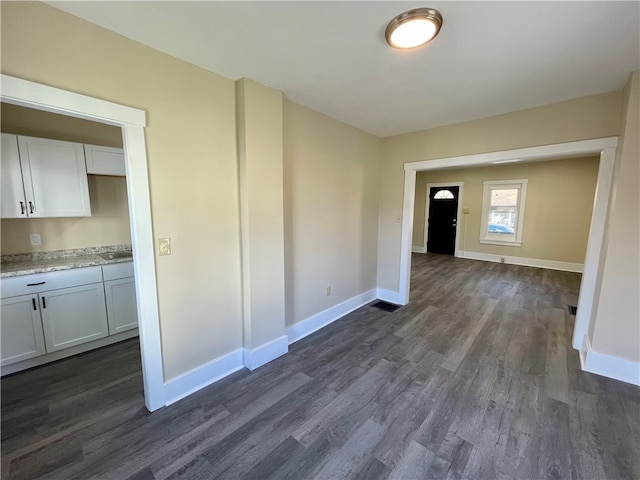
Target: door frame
594,258
456,251
132,121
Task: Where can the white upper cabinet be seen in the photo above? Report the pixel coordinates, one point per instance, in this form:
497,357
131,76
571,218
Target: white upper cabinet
53,179
104,160
12,202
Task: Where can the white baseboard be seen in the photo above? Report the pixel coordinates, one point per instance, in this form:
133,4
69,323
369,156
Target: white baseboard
203,376
305,327
418,249
388,296
265,353
609,366
526,262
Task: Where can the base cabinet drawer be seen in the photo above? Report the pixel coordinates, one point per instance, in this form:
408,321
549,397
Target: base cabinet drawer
122,310
21,329
71,316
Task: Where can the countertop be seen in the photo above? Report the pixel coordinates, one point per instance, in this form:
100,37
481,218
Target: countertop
40,262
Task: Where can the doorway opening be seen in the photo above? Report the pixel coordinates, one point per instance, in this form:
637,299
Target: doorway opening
132,122
604,147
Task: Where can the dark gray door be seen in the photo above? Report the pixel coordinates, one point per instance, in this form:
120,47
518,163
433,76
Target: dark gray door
443,217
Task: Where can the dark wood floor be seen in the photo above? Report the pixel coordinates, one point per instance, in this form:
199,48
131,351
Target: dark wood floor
475,378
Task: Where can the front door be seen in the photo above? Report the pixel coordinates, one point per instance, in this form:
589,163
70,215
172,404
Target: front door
443,216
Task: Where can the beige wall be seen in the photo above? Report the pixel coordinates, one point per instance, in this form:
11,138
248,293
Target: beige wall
331,205
109,220
580,119
191,148
616,329
558,207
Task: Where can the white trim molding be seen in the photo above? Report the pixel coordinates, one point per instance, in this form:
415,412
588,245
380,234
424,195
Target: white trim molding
418,249
525,262
190,382
408,204
312,324
514,239
265,353
388,296
609,366
588,297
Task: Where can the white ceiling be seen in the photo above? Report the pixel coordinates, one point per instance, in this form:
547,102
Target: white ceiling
489,58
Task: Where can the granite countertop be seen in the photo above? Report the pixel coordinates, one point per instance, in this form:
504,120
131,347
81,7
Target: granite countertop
40,262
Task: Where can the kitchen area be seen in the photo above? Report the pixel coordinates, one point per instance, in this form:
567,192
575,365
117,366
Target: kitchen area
67,283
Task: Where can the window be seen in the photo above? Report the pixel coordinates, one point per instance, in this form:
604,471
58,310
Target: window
443,194
503,212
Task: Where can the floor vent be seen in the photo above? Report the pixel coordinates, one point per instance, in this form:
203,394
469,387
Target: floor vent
386,306
572,310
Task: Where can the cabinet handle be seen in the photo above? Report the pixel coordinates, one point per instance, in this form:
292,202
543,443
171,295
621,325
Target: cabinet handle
33,300
35,284
30,206
21,208
44,302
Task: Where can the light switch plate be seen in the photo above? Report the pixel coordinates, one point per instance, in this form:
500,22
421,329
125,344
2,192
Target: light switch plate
164,246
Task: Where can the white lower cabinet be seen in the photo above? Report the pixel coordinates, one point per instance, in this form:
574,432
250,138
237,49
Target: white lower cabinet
72,316
122,310
45,313
21,329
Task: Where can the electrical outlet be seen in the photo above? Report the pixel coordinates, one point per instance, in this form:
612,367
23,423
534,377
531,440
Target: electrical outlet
164,246
466,210
328,290
35,239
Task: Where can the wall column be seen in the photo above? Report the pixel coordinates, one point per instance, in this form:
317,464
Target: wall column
613,347
260,153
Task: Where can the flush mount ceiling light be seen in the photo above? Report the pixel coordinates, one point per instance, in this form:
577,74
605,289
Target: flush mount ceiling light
413,28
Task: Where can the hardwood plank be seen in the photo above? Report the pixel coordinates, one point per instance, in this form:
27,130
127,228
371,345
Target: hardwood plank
354,454
279,462
414,462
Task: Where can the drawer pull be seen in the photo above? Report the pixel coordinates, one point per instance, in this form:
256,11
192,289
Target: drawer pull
35,284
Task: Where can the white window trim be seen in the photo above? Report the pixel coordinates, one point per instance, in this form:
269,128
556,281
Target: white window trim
514,240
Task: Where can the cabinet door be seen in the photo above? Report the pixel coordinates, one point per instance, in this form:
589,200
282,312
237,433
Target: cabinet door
12,201
57,182
122,311
71,316
104,160
21,329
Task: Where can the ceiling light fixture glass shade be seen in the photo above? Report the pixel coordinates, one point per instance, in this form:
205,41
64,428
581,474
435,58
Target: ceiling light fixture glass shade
413,28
